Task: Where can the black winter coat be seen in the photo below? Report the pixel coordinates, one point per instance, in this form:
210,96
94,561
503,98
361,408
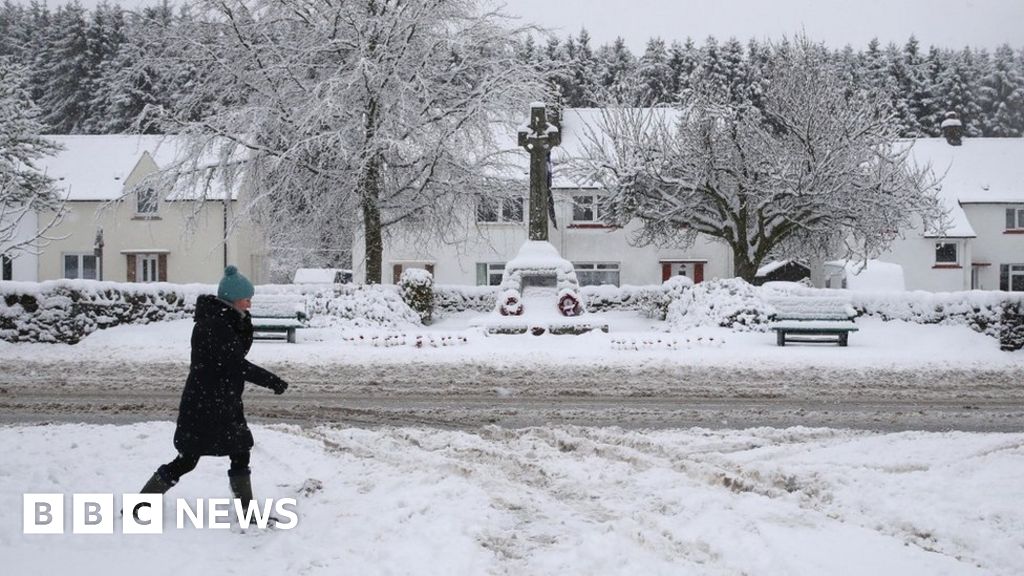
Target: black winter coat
211,419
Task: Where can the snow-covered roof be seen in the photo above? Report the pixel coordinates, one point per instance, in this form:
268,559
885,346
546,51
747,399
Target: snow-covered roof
770,267
95,167
982,170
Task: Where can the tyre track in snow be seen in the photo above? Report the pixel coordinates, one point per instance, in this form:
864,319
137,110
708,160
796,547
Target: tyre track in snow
472,395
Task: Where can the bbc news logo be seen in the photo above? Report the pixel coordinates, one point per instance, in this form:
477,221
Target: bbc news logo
144,513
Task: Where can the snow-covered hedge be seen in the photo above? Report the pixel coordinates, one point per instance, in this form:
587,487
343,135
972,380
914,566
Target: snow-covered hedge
731,303
451,298
369,305
65,311
651,301
981,310
68,310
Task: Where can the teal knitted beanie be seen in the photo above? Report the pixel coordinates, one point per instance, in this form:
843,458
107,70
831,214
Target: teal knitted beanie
233,286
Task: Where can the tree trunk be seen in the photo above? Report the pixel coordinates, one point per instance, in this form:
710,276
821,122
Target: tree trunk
743,267
373,237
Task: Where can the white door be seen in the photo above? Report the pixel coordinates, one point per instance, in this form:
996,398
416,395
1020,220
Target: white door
146,268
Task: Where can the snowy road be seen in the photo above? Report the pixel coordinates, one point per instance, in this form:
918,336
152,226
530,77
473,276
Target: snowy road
466,396
548,501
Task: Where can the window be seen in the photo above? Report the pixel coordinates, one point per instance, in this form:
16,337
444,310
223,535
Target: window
1015,218
499,209
146,202
946,254
597,273
147,268
587,208
489,274
1011,277
80,266
7,264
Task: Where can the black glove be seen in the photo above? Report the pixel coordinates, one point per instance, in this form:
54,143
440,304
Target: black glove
280,386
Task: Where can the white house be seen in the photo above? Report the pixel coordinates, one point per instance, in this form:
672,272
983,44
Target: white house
146,236
982,186
983,248
601,254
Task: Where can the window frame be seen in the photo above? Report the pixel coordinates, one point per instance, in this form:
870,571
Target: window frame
1017,219
147,193
487,272
596,215
504,209
956,254
595,268
79,265
1007,273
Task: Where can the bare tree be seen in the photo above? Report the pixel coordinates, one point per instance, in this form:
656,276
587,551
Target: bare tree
354,114
814,169
25,191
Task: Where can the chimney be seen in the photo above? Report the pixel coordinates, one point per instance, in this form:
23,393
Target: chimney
952,129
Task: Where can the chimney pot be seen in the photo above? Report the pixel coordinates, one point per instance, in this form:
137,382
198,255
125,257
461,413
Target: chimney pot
952,129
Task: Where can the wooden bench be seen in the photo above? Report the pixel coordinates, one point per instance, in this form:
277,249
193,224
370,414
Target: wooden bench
813,319
278,316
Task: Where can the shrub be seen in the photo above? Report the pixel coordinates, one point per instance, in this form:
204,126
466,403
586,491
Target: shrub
730,303
417,289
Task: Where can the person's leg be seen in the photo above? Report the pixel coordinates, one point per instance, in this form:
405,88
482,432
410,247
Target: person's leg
168,475
239,478
239,464
175,469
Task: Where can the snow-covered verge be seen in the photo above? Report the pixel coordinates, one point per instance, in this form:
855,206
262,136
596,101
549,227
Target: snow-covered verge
68,310
547,501
733,303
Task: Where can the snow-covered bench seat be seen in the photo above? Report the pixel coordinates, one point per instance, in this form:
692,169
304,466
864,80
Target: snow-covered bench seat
278,315
813,319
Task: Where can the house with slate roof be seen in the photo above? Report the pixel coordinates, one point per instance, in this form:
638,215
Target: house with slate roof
119,227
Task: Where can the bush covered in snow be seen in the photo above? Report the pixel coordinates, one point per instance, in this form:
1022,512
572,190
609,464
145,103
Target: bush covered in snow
449,299
369,305
417,288
66,311
730,303
651,301
1011,337
365,305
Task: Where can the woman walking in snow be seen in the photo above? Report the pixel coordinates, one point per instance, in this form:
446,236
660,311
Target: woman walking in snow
211,419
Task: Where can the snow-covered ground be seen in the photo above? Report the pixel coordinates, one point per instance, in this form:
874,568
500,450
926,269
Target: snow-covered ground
632,341
555,500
